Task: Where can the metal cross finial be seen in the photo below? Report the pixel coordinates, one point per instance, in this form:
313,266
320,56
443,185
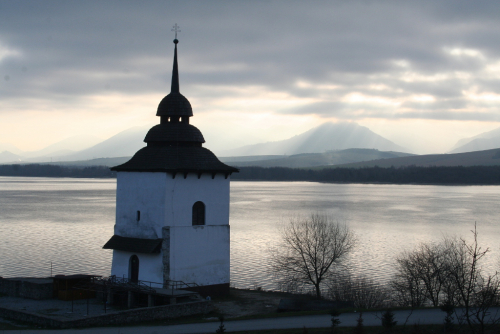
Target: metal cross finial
176,28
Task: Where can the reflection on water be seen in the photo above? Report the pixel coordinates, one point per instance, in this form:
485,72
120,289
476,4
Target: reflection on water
386,218
66,222
63,221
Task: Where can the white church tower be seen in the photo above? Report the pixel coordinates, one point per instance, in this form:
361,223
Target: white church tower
172,205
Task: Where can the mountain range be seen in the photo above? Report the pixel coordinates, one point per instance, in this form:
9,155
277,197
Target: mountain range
125,143
66,147
307,160
327,144
484,141
326,137
466,159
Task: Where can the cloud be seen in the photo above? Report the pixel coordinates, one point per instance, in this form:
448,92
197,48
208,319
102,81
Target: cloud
7,52
346,60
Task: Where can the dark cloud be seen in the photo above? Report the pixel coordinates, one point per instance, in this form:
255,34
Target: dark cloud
452,104
76,49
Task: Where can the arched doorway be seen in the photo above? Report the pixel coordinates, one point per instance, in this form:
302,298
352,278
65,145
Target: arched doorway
133,269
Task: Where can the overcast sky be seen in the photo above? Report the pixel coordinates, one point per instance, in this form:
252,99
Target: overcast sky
420,73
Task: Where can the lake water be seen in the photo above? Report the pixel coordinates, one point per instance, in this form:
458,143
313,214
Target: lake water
63,223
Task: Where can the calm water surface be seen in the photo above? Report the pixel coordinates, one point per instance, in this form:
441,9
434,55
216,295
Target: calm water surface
64,222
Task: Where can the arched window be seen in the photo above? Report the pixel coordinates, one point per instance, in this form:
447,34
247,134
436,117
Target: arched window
198,213
133,269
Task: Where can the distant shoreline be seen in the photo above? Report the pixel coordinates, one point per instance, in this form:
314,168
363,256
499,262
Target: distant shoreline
453,175
255,180
412,175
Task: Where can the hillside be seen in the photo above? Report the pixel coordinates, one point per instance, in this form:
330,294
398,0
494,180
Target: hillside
356,158
484,141
315,159
64,147
479,158
7,156
125,143
11,154
107,162
326,137
294,161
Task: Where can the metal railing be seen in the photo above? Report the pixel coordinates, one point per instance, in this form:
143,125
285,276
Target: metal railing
123,283
148,285
178,285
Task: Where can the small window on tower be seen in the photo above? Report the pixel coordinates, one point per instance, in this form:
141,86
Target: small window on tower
198,213
138,215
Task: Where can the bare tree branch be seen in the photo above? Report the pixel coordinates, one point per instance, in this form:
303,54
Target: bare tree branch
309,248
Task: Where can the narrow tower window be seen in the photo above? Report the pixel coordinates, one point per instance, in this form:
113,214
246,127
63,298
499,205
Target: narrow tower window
198,213
133,269
138,215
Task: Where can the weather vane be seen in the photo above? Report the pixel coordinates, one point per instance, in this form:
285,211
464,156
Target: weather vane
176,28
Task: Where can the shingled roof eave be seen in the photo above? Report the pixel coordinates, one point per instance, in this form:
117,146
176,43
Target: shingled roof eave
229,170
134,245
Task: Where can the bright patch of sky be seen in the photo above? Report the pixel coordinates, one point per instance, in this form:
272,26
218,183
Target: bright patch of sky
5,52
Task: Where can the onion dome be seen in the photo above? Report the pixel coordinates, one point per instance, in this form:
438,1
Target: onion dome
175,104
174,134
175,146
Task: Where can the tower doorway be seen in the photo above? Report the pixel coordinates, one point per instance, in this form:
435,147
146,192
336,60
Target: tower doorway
133,269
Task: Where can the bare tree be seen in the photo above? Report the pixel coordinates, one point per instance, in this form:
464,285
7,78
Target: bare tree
473,290
310,248
408,289
449,273
420,275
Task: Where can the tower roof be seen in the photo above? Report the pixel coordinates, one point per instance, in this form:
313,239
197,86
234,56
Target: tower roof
174,132
174,145
175,160
175,104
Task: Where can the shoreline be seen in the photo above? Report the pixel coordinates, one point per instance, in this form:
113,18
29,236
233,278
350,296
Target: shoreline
266,180
408,175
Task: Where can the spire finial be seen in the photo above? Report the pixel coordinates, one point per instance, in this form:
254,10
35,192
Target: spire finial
176,29
175,72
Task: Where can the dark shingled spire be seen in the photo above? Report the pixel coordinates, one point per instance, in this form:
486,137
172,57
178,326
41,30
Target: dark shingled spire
175,104
174,145
175,71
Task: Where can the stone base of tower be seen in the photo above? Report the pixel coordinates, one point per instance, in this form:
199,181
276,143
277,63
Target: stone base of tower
215,290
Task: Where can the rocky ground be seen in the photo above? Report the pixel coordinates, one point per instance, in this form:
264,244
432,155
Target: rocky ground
239,303
51,307
242,303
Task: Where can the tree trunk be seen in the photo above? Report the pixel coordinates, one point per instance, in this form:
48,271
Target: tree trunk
318,291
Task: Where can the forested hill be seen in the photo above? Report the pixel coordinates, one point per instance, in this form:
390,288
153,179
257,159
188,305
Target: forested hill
476,175
38,170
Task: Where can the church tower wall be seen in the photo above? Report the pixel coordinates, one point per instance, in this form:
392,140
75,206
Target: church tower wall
165,201
200,254
144,193
197,254
182,194
151,266
172,205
